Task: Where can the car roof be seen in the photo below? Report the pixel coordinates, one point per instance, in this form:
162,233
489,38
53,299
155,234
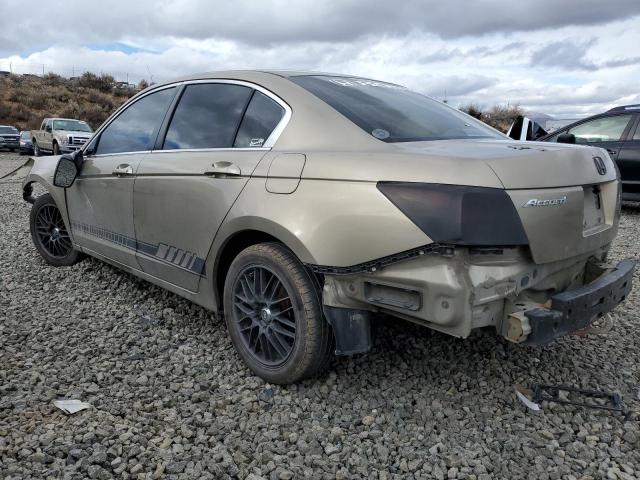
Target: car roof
624,108
253,76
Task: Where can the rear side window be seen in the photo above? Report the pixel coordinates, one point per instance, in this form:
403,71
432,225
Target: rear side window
261,118
207,116
135,129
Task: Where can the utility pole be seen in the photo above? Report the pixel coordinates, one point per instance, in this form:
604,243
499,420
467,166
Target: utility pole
43,69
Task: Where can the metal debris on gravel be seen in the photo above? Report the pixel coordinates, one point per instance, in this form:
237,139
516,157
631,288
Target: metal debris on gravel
171,399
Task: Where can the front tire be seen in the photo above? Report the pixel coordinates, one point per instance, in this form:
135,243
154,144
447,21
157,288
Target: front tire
56,149
273,315
36,149
50,235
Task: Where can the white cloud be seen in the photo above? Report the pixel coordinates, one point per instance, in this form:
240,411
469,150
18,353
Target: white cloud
567,59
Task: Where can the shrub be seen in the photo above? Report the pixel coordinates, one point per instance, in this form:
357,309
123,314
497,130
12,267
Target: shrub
104,83
472,109
36,99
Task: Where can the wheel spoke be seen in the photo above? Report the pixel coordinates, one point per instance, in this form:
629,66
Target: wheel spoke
265,292
283,331
248,327
264,346
277,345
284,320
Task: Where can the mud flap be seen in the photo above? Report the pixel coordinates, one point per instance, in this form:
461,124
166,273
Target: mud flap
352,329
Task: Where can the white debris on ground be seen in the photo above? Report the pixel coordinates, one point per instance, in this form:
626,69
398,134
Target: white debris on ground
71,406
171,399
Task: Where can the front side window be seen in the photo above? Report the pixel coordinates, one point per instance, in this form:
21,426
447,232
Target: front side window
636,136
392,113
207,116
607,129
260,119
135,129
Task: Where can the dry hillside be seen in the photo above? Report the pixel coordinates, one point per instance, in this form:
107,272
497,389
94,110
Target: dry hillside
26,99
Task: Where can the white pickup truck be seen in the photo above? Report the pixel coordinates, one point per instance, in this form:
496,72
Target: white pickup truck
60,135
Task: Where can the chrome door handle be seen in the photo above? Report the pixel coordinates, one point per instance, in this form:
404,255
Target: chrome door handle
611,151
123,170
223,169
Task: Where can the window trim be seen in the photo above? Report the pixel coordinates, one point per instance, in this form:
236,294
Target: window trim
635,130
269,142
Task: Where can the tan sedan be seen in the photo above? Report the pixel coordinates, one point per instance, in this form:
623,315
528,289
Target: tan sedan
301,205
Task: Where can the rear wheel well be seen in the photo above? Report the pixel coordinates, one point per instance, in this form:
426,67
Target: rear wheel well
230,251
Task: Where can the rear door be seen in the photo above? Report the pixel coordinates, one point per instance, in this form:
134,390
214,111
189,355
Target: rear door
206,152
100,202
629,161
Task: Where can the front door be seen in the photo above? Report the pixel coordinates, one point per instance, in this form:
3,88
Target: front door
606,132
629,162
216,137
100,202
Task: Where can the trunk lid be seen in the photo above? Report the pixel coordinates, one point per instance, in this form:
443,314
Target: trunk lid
523,164
567,204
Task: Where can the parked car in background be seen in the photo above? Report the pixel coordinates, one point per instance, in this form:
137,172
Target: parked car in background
616,130
9,137
60,135
26,147
300,205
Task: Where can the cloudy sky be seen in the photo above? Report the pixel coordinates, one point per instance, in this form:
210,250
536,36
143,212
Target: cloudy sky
566,58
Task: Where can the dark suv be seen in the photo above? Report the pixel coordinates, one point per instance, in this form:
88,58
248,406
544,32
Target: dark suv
9,137
618,131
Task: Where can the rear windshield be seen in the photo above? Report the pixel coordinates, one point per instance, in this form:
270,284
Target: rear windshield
392,113
9,130
71,125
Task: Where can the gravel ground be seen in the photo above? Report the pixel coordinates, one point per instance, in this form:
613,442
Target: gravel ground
171,399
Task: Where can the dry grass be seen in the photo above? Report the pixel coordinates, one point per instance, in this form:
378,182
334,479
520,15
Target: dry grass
26,100
499,117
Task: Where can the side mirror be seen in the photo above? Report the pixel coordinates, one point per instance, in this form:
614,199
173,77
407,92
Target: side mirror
47,128
67,169
566,138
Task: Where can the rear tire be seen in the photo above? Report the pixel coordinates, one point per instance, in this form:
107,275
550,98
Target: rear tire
274,315
50,235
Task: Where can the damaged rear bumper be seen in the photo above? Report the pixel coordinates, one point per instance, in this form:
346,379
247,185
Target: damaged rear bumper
458,290
577,309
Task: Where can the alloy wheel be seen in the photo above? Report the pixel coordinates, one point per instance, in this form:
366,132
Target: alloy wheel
265,315
52,233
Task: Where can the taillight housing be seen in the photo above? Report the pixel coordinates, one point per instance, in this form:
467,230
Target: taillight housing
459,214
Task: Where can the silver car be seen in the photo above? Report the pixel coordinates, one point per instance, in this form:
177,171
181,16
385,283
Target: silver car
300,206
